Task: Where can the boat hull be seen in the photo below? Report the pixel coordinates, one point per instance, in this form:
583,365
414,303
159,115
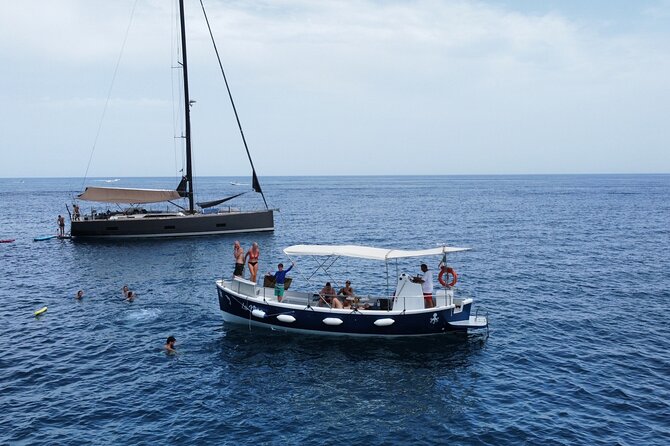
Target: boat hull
155,225
240,309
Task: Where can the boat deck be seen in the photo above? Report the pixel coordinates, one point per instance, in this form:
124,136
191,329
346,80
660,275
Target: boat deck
377,304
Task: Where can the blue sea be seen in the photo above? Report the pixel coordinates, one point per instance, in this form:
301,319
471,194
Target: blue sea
573,270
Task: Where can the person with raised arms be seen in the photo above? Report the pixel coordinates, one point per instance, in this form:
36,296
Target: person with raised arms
280,278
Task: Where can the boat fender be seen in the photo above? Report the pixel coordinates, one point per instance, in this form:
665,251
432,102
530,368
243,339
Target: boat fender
41,311
384,322
260,314
332,321
446,270
286,318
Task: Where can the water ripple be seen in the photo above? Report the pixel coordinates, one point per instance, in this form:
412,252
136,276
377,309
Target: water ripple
573,270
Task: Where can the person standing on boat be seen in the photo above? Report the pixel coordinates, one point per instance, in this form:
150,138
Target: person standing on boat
238,253
61,226
280,277
252,255
426,281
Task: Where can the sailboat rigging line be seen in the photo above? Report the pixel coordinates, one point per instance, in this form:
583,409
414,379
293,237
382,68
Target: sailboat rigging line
176,117
256,184
109,93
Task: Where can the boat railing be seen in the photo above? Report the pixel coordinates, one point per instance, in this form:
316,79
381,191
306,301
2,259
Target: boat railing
441,297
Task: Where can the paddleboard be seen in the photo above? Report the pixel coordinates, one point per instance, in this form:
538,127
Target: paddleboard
64,237
41,311
9,240
44,237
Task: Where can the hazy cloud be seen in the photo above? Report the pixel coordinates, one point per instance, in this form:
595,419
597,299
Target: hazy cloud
337,87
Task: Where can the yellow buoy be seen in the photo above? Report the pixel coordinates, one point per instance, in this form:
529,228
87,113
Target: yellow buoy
40,311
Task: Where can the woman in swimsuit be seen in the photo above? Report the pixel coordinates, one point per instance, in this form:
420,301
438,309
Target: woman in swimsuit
252,256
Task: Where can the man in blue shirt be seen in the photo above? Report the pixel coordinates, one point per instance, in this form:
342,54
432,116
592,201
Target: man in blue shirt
280,277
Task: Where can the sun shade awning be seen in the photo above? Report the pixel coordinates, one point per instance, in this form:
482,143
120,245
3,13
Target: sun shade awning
366,252
130,196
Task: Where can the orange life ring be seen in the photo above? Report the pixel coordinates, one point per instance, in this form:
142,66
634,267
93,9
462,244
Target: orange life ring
447,270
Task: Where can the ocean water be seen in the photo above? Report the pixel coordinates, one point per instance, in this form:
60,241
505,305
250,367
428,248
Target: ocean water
572,270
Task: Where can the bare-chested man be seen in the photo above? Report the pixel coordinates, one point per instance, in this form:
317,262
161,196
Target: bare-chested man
238,253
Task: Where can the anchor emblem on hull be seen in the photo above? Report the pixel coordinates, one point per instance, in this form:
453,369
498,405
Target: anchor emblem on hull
434,320
249,308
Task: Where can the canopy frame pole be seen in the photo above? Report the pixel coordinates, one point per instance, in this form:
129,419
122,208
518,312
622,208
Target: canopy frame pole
321,265
388,287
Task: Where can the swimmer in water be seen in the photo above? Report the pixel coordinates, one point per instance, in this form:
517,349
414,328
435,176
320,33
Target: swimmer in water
131,296
169,345
125,290
79,295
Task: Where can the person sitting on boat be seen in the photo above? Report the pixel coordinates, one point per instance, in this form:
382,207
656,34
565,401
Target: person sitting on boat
328,295
238,253
75,212
280,277
346,290
349,304
252,256
337,303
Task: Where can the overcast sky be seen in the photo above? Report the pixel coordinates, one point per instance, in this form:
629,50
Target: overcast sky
338,87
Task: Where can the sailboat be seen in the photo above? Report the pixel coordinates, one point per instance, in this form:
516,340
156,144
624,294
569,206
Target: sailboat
137,222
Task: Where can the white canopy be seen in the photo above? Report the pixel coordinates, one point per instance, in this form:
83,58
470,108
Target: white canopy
365,252
131,196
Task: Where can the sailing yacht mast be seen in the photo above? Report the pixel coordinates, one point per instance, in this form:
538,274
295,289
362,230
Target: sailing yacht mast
139,223
187,110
